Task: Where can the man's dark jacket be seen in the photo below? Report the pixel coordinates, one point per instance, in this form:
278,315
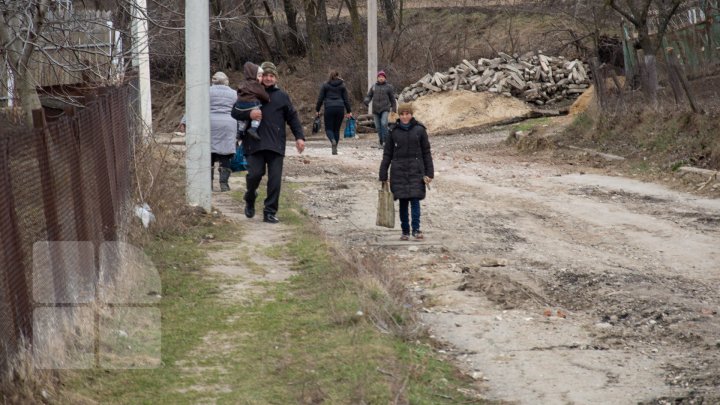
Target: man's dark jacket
275,114
407,153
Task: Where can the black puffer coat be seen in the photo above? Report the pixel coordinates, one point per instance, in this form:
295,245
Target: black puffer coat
407,152
333,94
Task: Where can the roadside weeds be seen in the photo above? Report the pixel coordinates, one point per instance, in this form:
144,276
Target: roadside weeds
340,330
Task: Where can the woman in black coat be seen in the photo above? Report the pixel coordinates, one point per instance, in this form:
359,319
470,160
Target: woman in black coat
407,153
334,95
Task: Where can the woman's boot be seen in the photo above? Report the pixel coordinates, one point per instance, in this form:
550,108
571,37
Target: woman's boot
224,177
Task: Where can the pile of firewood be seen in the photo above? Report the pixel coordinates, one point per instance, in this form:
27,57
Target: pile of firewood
535,78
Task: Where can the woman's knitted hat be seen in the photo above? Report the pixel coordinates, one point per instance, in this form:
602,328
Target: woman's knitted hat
220,78
405,107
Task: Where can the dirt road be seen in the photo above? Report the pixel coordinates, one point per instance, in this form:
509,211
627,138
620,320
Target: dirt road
547,283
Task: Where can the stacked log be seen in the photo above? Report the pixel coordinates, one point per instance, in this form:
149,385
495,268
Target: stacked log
365,124
535,78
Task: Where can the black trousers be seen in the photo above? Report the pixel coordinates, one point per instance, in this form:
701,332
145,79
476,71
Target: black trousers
333,121
258,163
223,159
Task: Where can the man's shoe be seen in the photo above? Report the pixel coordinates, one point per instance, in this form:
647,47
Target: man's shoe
270,218
252,133
249,210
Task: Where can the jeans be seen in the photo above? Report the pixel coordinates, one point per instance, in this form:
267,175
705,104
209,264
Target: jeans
381,123
415,208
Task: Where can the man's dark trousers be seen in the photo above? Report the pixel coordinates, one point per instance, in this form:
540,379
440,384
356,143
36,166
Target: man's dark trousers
257,162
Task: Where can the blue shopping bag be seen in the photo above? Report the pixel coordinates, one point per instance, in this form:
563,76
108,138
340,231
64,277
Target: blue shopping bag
350,127
238,162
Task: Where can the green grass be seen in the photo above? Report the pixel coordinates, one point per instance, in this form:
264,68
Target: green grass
581,124
531,124
299,342
641,166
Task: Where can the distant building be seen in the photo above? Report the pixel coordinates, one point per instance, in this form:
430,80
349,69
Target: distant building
78,47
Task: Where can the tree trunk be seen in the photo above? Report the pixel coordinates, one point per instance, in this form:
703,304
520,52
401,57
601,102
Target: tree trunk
322,21
291,17
599,82
278,38
217,34
389,6
357,31
400,14
313,34
652,78
29,99
256,31
19,52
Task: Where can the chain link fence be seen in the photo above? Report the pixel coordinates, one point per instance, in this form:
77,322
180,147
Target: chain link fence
66,180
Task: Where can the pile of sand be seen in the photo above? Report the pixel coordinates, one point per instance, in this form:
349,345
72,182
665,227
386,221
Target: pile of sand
454,110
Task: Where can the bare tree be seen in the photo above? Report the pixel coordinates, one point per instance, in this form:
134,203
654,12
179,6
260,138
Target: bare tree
220,17
259,35
276,33
313,30
357,30
642,14
22,22
291,17
58,43
389,8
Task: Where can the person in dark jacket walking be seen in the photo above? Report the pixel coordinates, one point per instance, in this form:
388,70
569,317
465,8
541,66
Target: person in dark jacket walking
334,95
268,152
251,95
407,153
383,100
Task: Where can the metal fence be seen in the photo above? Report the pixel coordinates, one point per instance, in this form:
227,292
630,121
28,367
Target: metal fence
694,38
67,180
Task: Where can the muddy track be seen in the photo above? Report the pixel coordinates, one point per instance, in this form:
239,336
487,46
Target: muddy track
549,283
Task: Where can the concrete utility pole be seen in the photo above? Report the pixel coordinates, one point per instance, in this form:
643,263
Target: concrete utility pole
141,61
372,44
197,103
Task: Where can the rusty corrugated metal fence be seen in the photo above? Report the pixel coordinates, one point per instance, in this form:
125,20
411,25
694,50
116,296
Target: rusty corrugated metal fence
67,180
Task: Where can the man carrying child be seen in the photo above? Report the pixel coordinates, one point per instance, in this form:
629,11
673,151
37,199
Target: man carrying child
251,96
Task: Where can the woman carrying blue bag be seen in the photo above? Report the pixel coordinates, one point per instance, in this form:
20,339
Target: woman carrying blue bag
334,95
